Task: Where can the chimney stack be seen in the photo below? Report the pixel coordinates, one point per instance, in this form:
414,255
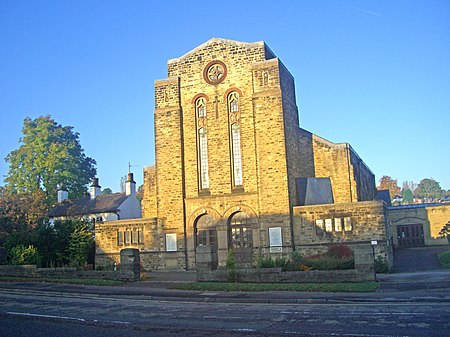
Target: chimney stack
95,189
62,193
130,185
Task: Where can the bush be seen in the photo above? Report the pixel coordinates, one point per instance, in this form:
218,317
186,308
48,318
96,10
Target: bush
23,255
327,262
338,257
232,275
381,265
444,258
339,251
269,262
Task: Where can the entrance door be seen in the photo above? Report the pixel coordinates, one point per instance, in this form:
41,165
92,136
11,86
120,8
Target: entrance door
410,235
205,231
240,238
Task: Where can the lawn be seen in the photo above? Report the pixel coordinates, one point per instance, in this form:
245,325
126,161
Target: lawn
444,258
327,287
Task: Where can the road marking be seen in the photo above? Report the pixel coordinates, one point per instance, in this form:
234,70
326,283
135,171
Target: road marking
67,318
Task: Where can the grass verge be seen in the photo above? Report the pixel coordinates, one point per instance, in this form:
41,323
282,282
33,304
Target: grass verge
444,258
327,287
88,282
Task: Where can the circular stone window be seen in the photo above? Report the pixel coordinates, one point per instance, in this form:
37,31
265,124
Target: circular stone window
215,72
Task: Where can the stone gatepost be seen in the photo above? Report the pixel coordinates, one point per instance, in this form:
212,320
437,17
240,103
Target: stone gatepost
205,261
364,261
130,263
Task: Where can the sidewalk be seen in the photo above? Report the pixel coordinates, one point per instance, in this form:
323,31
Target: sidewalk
427,287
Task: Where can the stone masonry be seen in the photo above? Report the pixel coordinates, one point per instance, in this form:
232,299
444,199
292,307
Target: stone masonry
225,172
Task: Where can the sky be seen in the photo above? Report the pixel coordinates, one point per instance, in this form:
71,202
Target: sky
375,74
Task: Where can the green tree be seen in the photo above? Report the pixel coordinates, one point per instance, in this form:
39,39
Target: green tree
407,196
20,212
429,189
49,154
387,183
106,191
81,242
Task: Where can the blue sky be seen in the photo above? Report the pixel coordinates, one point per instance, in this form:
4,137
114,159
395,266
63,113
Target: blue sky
375,74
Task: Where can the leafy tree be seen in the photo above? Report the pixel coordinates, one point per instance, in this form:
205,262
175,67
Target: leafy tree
106,191
20,212
387,183
430,189
407,196
81,242
49,154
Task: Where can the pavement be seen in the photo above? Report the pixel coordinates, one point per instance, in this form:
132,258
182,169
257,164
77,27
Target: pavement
420,286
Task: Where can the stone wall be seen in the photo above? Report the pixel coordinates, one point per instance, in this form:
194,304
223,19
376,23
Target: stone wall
317,227
61,273
432,218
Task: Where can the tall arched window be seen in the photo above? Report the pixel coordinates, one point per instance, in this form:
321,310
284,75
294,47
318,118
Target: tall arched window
202,143
235,138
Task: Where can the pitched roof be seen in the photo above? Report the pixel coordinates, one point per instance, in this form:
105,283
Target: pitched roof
101,204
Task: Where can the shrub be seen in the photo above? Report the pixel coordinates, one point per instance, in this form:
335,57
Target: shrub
232,275
381,265
266,262
339,251
269,262
326,262
444,258
23,255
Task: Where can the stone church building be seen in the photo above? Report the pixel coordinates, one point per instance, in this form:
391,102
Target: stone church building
234,170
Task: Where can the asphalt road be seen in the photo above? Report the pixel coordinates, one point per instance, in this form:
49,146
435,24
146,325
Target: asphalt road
27,313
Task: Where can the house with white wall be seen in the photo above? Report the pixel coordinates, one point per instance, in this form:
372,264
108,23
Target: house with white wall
98,207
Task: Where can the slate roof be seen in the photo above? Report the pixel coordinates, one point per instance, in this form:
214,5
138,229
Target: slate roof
101,204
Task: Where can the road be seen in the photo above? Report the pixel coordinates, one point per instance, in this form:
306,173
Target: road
38,313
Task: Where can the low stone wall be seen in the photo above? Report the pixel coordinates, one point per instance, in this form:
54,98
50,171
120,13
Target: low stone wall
364,270
33,272
276,275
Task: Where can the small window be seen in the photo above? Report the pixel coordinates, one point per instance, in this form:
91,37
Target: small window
120,238
140,236
127,237
319,227
348,224
338,225
134,236
329,225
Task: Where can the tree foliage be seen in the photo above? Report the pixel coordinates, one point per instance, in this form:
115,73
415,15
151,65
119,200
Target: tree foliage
20,211
49,154
429,189
408,196
80,244
23,255
387,183
107,191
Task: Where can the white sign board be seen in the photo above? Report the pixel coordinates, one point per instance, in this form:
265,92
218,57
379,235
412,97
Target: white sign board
171,242
275,239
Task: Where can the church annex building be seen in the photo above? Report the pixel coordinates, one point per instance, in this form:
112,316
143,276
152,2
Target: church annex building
234,170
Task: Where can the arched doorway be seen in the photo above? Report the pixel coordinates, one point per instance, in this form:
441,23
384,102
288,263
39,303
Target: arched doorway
205,231
240,237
